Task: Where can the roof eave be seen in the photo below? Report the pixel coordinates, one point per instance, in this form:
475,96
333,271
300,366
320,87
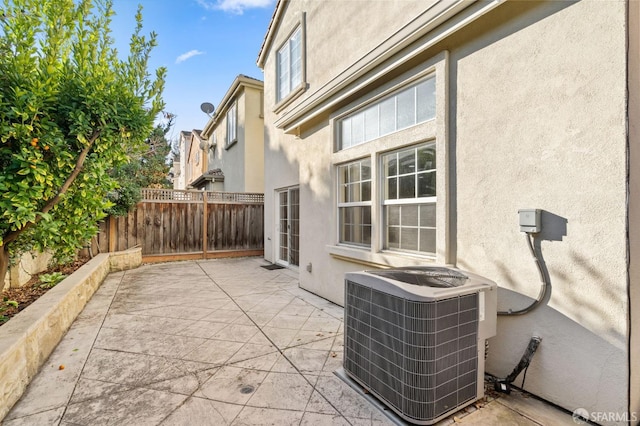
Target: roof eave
268,38
240,81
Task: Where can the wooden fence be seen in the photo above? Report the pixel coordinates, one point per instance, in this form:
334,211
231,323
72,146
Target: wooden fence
179,225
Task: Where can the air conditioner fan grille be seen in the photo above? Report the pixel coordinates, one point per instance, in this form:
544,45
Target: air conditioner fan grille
420,358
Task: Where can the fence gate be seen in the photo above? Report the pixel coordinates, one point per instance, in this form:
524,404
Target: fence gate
179,225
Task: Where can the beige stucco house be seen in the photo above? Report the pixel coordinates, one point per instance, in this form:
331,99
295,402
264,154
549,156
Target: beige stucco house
234,141
196,159
412,133
180,163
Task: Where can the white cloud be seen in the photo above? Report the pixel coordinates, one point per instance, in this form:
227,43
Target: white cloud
189,54
234,6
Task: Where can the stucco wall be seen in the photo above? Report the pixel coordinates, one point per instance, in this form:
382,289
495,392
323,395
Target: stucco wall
550,135
537,120
634,202
253,141
243,162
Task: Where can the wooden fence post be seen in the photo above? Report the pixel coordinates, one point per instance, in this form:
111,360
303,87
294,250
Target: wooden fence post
112,234
204,224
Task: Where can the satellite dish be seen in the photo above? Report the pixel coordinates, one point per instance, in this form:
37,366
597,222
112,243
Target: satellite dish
207,108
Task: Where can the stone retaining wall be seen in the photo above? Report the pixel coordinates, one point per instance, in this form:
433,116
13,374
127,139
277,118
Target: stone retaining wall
28,339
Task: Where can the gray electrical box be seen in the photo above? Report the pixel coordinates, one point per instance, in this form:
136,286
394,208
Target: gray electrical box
530,220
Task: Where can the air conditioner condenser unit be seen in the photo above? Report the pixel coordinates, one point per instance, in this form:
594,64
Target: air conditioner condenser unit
415,338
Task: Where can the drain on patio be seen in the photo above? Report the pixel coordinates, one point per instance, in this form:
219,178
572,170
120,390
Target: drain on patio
247,389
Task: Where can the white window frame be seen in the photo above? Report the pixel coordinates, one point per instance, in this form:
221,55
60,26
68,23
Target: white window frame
232,125
353,129
297,87
345,202
431,131
386,202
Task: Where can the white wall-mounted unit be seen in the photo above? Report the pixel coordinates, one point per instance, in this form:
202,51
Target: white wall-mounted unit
415,337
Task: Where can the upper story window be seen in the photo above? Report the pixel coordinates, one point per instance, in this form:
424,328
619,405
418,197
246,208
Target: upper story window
232,125
289,65
404,108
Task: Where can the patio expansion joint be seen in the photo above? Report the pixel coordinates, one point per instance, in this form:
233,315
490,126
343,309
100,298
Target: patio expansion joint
525,415
313,385
84,364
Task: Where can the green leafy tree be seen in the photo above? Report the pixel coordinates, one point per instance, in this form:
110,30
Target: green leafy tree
146,169
70,111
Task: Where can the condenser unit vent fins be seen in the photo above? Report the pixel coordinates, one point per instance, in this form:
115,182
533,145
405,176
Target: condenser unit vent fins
419,357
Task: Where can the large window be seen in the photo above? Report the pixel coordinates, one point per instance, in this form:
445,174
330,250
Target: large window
354,204
232,125
404,108
289,65
409,201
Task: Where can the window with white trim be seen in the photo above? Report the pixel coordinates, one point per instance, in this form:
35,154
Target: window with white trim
409,199
354,203
407,107
232,125
289,65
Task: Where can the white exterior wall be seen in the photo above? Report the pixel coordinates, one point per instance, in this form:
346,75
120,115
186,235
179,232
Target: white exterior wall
540,123
536,119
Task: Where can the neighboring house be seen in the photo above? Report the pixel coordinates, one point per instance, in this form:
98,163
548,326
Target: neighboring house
234,150
175,172
412,132
196,162
180,169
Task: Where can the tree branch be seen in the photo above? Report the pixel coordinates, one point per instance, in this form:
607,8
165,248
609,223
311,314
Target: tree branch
13,235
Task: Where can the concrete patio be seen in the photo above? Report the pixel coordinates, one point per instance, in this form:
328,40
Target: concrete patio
212,343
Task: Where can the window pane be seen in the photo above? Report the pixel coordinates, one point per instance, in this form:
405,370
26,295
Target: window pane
428,240
296,60
347,215
352,193
426,158
409,215
366,235
366,191
393,215
407,186
426,92
391,165
393,238
366,169
283,70
366,215
371,124
354,172
345,138
387,116
357,129
427,184
392,189
355,225
407,162
428,215
406,108
409,239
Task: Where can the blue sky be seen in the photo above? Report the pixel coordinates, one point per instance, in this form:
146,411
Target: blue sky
204,44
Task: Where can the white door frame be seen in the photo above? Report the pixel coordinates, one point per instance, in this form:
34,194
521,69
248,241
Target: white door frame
292,216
